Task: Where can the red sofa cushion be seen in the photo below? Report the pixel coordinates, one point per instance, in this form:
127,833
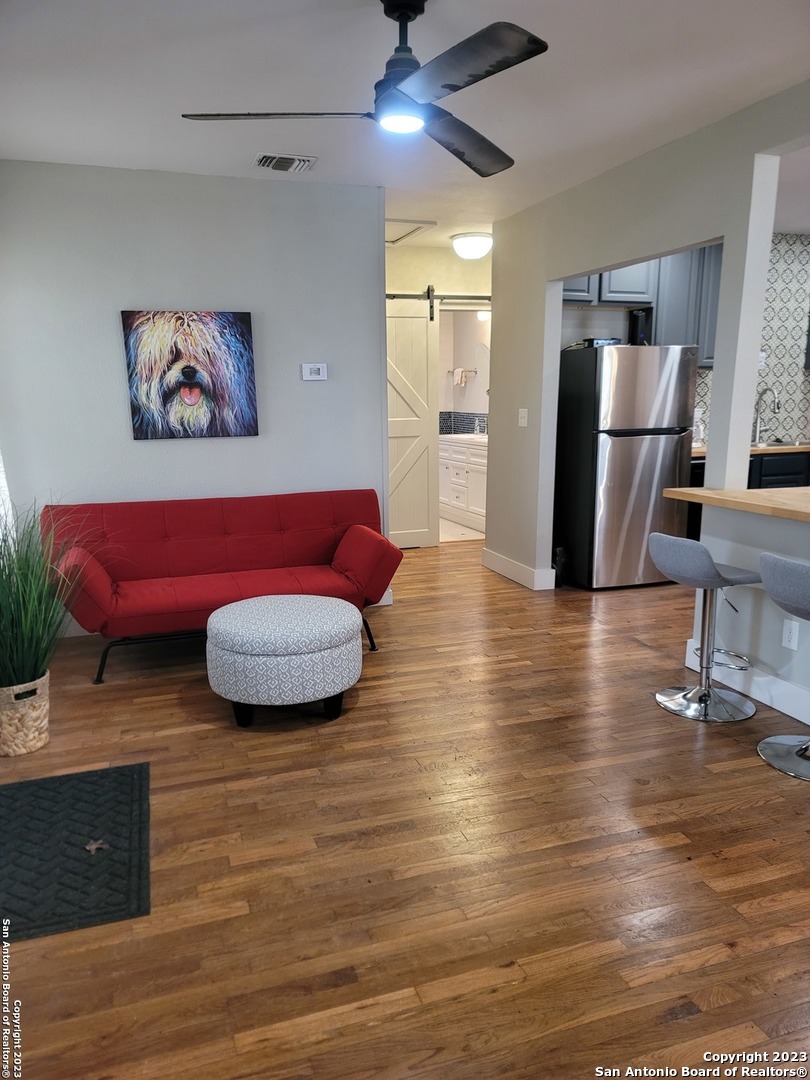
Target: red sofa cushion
165,605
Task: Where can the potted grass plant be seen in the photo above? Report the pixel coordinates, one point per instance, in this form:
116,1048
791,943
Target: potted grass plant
33,598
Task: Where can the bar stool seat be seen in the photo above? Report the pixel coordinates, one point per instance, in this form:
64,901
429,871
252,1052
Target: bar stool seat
787,583
690,563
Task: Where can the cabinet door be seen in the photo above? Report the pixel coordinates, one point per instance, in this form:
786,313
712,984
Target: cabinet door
712,261
779,470
585,289
676,309
694,511
444,481
477,489
637,284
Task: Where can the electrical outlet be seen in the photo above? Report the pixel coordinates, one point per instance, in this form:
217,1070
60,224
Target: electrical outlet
790,634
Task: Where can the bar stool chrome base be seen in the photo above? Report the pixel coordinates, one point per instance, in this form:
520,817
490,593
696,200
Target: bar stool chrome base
790,754
710,705
743,662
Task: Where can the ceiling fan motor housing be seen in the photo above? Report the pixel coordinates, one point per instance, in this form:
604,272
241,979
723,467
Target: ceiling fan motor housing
403,9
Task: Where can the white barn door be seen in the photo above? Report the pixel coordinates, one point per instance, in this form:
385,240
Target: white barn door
413,424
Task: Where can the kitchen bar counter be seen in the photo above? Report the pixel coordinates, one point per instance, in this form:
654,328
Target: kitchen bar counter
790,503
737,525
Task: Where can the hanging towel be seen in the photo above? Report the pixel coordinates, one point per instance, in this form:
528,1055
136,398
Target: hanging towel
460,377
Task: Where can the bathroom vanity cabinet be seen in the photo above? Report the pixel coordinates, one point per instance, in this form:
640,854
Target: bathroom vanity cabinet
463,479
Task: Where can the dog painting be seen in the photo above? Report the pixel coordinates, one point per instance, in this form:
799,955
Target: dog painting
190,374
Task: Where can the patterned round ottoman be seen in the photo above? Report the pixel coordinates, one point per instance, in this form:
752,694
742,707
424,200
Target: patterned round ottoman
284,650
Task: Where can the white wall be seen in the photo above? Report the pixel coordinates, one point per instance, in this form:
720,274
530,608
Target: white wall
706,186
471,338
412,269
79,244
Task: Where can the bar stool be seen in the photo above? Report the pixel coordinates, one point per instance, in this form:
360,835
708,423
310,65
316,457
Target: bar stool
787,582
690,563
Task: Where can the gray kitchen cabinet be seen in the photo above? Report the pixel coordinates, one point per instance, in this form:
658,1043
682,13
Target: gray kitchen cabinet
584,289
676,308
779,470
636,284
688,295
712,262
630,285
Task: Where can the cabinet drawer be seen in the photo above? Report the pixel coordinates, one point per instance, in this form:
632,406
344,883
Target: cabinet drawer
784,464
459,453
779,470
444,451
458,474
478,457
458,496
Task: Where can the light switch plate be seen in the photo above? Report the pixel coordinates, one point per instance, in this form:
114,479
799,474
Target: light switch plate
313,371
523,417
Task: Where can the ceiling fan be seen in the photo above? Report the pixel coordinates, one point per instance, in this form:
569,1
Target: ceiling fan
404,96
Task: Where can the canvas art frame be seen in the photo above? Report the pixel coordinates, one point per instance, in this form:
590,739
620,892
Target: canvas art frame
190,374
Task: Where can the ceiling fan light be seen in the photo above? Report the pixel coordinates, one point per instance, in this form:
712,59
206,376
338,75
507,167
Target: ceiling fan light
471,245
402,123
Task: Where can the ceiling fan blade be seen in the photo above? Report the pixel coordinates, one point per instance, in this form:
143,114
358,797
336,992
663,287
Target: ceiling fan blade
476,152
495,48
267,115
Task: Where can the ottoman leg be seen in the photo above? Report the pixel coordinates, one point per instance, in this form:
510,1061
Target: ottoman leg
332,706
243,713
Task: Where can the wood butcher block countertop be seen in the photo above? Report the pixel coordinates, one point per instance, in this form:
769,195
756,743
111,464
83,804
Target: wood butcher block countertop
792,503
776,448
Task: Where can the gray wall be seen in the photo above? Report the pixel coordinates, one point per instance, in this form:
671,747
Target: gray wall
79,244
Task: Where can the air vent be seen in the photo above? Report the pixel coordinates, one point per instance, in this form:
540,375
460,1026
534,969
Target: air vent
288,163
398,230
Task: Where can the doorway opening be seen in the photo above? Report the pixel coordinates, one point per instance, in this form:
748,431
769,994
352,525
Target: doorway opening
464,366
438,413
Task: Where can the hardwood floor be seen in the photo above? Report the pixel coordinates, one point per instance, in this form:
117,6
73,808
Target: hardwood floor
504,859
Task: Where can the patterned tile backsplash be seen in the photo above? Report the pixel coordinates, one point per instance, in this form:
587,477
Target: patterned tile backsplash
461,423
784,341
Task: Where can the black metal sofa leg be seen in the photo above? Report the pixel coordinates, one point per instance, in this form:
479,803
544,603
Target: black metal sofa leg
147,639
372,644
105,652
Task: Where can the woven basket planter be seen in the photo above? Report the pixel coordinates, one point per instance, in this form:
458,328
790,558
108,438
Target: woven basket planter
23,717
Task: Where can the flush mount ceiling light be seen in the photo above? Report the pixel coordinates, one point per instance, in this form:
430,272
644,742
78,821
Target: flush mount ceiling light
471,245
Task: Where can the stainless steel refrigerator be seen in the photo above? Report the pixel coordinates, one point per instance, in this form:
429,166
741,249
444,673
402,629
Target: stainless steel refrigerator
624,433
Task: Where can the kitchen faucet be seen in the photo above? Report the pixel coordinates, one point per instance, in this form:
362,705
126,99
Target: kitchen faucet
775,407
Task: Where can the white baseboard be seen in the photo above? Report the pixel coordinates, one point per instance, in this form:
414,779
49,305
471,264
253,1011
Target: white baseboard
787,697
387,598
463,517
515,571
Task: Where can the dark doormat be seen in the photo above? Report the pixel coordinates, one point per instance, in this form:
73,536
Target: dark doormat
75,850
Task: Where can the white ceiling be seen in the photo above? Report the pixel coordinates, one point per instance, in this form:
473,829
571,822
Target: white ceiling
103,82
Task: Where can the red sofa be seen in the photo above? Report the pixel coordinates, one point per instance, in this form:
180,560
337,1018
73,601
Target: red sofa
150,569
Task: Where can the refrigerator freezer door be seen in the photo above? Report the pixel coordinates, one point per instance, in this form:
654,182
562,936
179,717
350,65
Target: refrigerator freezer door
632,472
645,386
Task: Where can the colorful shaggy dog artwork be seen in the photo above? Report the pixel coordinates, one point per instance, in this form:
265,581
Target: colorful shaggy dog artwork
190,374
